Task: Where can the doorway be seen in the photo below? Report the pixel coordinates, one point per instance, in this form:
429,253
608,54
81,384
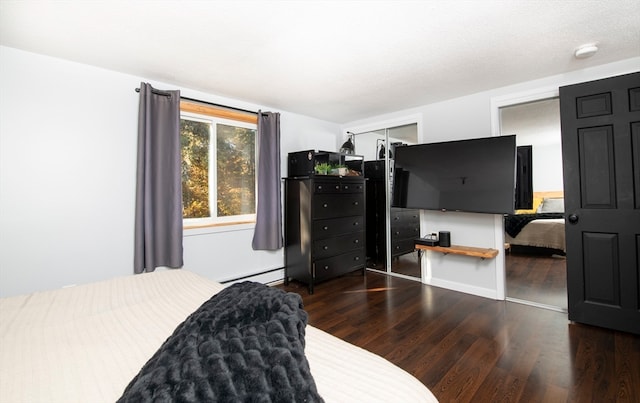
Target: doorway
535,261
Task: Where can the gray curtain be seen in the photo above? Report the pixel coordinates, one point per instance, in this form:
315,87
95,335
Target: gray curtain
158,220
268,231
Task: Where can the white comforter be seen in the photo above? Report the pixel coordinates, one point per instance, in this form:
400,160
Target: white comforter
84,344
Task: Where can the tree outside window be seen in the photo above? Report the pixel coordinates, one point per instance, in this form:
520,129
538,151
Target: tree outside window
219,176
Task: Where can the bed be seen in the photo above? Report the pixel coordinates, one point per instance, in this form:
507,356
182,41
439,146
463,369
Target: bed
88,343
540,227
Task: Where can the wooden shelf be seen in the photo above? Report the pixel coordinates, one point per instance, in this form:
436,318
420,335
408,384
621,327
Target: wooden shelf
483,253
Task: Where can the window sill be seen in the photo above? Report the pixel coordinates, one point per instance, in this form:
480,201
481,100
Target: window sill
191,230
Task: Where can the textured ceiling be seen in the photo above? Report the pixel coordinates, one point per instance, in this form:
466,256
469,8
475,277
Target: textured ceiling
334,60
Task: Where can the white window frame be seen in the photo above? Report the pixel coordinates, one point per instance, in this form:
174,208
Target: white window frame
213,219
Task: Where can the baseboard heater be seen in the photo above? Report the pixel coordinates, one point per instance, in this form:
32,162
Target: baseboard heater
251,275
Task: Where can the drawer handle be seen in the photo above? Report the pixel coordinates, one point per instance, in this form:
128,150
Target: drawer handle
325,247
346,186
355,224
326,267
337,187
396,218
356,258
325,228
325,205
397,232
356,241
355,203
319,187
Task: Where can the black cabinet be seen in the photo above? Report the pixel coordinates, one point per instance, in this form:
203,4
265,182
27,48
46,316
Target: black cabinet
405,223
405,228
324,227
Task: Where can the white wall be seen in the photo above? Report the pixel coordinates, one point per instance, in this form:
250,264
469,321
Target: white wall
67,177
538,124
468,117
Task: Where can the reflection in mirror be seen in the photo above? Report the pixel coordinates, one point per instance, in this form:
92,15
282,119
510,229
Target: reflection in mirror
537,124
403,224
366,145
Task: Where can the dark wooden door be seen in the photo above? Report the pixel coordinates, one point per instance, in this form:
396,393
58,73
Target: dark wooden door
600,123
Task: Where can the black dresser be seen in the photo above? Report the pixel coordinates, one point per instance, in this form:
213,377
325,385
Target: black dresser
405,228
405,223
324,227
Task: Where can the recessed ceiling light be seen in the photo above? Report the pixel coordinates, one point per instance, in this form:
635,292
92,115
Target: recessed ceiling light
585,51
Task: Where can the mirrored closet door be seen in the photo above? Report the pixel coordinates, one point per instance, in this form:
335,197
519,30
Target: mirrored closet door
390,231
535,264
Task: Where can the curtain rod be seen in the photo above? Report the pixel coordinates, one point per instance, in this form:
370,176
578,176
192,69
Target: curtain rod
158,92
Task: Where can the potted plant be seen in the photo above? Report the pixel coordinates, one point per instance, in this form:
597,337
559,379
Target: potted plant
322,168
342,169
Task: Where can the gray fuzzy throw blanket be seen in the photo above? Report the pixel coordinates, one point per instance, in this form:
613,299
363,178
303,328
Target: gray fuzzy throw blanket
245,344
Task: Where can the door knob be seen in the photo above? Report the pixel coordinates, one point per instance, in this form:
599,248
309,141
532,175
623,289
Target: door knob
573,218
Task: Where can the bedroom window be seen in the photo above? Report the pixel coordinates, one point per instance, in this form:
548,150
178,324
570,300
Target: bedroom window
218,166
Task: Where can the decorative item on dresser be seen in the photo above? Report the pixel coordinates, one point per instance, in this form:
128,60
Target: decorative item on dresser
405,223
324,225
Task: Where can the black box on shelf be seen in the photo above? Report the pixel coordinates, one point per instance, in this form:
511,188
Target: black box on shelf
426,242
302,163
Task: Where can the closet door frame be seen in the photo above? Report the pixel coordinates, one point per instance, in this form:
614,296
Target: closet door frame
385,125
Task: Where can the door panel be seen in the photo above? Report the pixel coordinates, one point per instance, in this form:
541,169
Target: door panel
600,123
601,269
597,167
635,145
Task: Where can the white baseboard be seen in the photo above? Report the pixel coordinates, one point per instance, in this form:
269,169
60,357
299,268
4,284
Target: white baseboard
465,288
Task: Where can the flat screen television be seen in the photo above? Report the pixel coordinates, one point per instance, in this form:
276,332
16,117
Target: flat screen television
476,175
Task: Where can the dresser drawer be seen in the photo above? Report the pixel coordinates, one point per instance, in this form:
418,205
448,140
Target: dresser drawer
332,205
350,187
323,248
402,215
338,265
405,224
337,226
403,231
402,246
411,215
327,187
338,186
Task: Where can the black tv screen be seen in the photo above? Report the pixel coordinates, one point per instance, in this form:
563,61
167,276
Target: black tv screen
476,175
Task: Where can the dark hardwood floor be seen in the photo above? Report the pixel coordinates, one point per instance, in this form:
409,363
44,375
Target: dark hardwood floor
472,349
538,278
